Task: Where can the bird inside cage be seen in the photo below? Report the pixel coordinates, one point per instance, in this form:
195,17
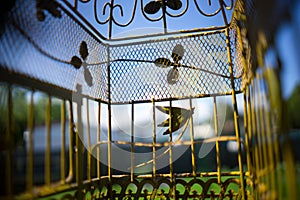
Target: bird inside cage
177,116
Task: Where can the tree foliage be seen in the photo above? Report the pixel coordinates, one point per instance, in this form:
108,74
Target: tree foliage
294,108
40,110
19,113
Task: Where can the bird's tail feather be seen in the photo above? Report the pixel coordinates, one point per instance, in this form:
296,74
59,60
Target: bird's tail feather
166,132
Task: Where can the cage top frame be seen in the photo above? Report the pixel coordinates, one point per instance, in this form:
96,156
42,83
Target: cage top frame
151,11
108,59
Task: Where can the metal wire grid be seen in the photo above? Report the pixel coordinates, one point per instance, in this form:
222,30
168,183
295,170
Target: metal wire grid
237,56
145,81
44,50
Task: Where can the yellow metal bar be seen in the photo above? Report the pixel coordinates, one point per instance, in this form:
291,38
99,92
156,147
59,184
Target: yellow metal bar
173,186
48,143
177,142
194,167
256,156
109,121
247,126
233,93
217,142
154,140
132,143
235,109
256,159
270,144
79,142
258,133
262,130
98,140
29,174
251,149
71,143
278,164
89,158
187,175
170,144
63,142
9,136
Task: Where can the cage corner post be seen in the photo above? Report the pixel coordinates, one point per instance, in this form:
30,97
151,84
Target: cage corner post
234,102
79,143
109,121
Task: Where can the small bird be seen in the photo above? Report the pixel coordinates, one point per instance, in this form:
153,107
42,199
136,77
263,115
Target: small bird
179,117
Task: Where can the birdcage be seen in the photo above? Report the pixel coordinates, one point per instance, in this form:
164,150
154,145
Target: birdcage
92,109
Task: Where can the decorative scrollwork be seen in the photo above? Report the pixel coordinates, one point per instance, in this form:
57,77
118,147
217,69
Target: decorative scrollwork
110,16
222,4
123,14
181,13
124,188
161,188
152,7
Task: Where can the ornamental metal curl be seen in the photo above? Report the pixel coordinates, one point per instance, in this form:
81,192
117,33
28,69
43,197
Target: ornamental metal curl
181,13
222,3
159,188
151,10
110,16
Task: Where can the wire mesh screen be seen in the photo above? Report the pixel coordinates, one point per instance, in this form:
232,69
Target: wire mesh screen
45,46
205,54
237,57
44,49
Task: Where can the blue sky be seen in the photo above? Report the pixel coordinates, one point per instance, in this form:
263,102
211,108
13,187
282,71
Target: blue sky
287,43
